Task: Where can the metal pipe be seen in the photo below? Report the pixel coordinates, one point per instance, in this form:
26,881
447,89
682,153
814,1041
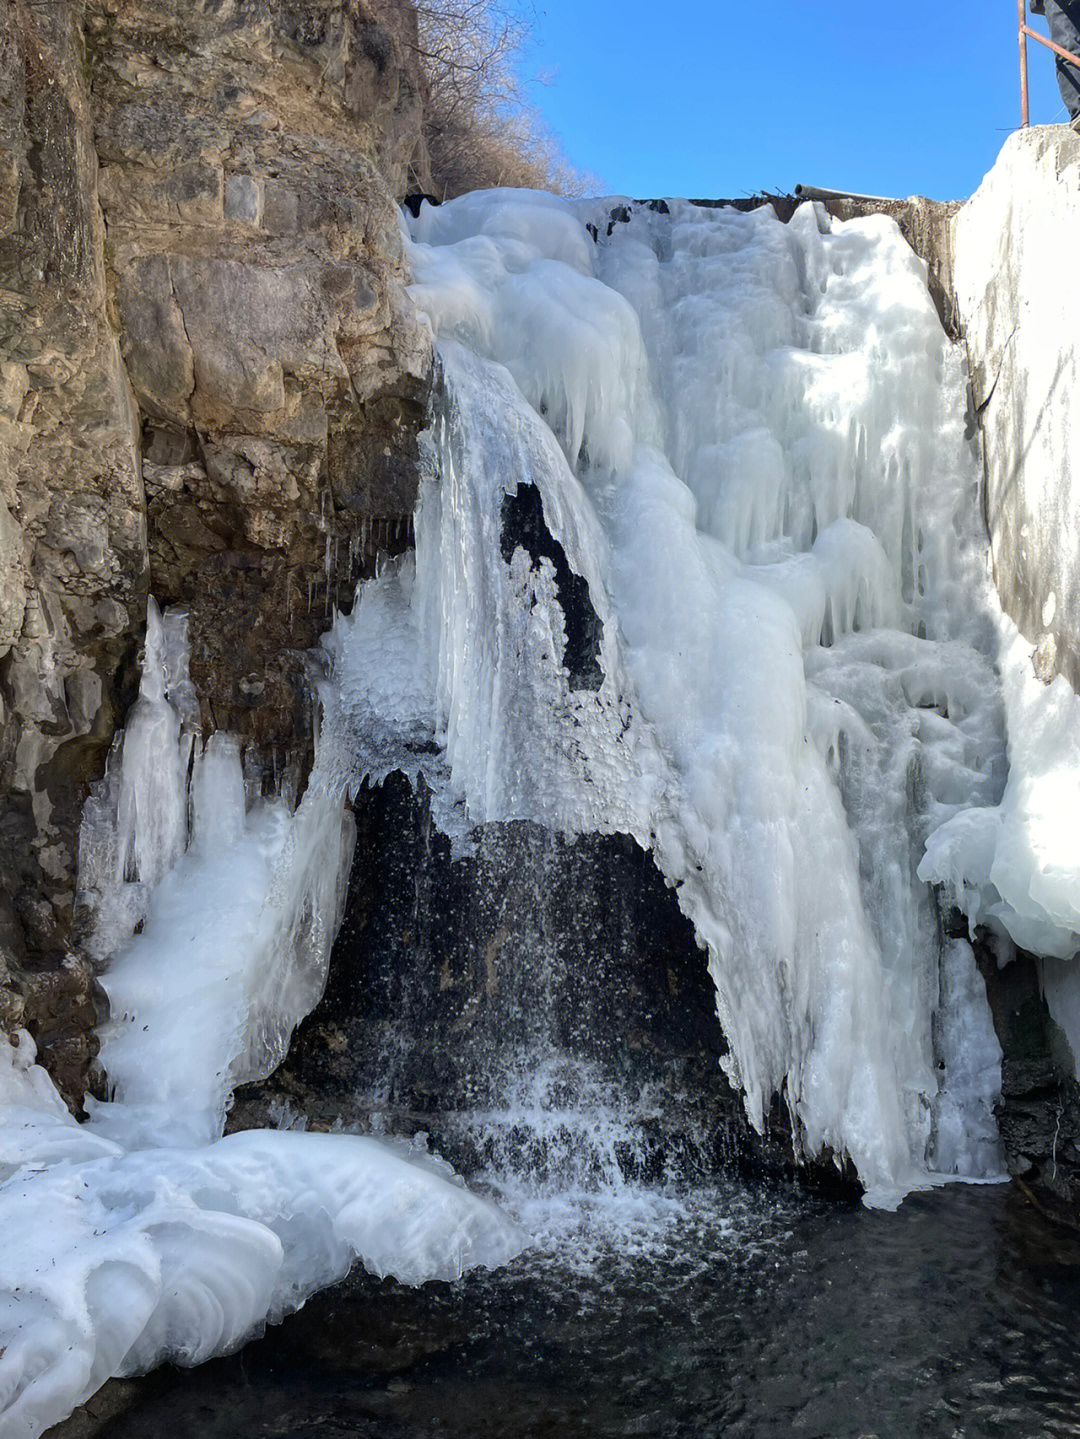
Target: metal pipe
1065,54
814,192
1021,37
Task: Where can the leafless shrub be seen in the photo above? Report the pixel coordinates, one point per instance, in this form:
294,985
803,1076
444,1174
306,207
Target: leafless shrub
479,126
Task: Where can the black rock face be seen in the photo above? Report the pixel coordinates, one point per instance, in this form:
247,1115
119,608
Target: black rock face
523,525
1039,1111
412,202
557,968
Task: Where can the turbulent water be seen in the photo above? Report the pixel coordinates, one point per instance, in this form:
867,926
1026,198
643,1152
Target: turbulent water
697,561
743,1314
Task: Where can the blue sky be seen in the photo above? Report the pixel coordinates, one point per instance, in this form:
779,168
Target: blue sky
724,99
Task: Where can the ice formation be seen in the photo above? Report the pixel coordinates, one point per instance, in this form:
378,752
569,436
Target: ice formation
218,915
1015,866
748,439
143,1235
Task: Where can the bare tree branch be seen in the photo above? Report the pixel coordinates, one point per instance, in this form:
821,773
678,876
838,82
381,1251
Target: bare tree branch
480,129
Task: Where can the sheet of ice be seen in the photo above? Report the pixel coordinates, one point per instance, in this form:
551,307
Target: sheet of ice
1061,988
966,1137
1016,866
762,474
34,1121
112,1265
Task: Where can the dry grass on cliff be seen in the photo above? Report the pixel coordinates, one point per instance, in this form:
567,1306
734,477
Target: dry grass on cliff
479,127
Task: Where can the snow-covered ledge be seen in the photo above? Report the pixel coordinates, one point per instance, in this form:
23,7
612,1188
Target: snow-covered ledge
1015,249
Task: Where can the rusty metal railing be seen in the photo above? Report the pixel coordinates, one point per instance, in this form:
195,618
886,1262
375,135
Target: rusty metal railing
1023,35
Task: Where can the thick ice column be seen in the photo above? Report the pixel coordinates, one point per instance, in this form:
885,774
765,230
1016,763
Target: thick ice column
217,932
135,825
152,809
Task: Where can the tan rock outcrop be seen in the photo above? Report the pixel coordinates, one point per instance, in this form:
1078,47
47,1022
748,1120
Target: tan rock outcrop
210,386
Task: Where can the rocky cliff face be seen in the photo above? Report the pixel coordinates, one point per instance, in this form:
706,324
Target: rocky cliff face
210,386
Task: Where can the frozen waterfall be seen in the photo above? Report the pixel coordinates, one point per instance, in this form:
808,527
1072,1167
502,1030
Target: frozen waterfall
748,440
143,1234
751,629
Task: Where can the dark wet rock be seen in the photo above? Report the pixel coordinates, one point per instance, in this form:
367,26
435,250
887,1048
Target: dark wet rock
455,983
523,524
413,202
620,215
1039,1113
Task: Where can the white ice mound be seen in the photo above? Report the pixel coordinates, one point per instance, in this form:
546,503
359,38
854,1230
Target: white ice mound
748,439
112,1266
34,1120
1016,866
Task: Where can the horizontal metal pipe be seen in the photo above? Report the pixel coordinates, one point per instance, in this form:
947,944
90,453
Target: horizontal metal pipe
814,192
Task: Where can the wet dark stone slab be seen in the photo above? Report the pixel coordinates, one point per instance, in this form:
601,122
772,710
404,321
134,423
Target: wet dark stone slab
523,524
1039,1112
452,979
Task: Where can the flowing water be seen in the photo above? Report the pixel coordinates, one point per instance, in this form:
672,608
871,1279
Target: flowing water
747,1313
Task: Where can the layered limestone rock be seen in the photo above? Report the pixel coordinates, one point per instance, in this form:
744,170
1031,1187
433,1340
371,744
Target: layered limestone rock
73,549
210,385
249,156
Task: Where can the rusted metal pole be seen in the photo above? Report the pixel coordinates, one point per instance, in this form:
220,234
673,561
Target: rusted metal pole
1021,36
1065,54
